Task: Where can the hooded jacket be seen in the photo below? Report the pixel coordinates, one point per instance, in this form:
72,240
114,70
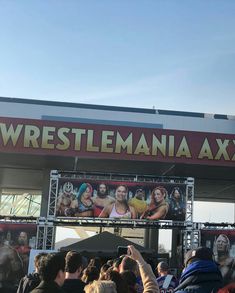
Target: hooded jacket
201,276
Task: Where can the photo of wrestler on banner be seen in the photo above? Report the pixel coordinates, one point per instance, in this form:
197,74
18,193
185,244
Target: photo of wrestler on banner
222,242
16,241
126,200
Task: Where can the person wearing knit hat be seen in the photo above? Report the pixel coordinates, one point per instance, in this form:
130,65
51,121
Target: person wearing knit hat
201,273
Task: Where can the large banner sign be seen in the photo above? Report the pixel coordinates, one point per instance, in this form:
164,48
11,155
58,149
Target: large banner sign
126,200
16,241
115,142
222,242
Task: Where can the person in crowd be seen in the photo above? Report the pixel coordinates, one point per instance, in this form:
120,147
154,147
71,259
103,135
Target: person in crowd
222,257
158,207
82,206
201,273
177,205
73,270
11,266
128,264
138,202
65,198
115,276
95,262
23,249
166,282
120,208
31,281
102,199
90,274
103,271
101,287
116,263
52,274
131,281
146,273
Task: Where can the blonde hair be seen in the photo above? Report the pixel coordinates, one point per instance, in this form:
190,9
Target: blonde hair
101,287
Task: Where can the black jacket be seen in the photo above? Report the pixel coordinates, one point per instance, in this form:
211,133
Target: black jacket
48,287
200,277
73,285
28,283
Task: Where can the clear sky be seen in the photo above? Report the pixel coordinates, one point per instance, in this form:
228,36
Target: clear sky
170,54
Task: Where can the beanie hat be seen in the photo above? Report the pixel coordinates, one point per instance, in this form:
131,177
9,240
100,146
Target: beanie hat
200,253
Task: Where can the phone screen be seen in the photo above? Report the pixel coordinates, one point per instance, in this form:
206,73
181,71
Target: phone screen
122,250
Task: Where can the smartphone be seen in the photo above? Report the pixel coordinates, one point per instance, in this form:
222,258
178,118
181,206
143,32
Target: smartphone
122,250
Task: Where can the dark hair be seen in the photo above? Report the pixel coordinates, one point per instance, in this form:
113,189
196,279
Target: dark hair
130,278
117,262
50,265
128,264
38,258
95,262
115,276
73,261
90,274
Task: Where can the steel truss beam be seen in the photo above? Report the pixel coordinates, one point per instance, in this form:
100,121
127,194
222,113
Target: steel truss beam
45,234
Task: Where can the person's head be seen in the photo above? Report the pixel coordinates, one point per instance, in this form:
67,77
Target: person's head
102,190
115,276
128,264
95,262
73,263
130,279
176,193
162,268
140,194
23,238
90,274
67,188
121,193
103,271
52,268
85,191
198,254
37,260
101,287
116,263
158,194
222,244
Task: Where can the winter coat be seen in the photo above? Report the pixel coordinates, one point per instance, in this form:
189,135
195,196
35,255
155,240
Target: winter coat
28,283
48,287
201,276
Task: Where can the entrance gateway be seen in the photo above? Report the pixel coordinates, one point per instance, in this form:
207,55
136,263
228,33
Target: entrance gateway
38,136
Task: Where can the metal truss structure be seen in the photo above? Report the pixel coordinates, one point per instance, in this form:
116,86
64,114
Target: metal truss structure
46,226
186,226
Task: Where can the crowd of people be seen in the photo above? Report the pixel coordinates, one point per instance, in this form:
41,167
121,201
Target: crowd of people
86,203
72,273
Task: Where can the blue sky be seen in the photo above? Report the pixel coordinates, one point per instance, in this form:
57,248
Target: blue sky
170,54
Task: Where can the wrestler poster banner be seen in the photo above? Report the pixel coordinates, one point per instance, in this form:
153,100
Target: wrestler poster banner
16,241
222,242
126,200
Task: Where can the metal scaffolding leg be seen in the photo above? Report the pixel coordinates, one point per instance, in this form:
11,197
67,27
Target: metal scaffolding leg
45,235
